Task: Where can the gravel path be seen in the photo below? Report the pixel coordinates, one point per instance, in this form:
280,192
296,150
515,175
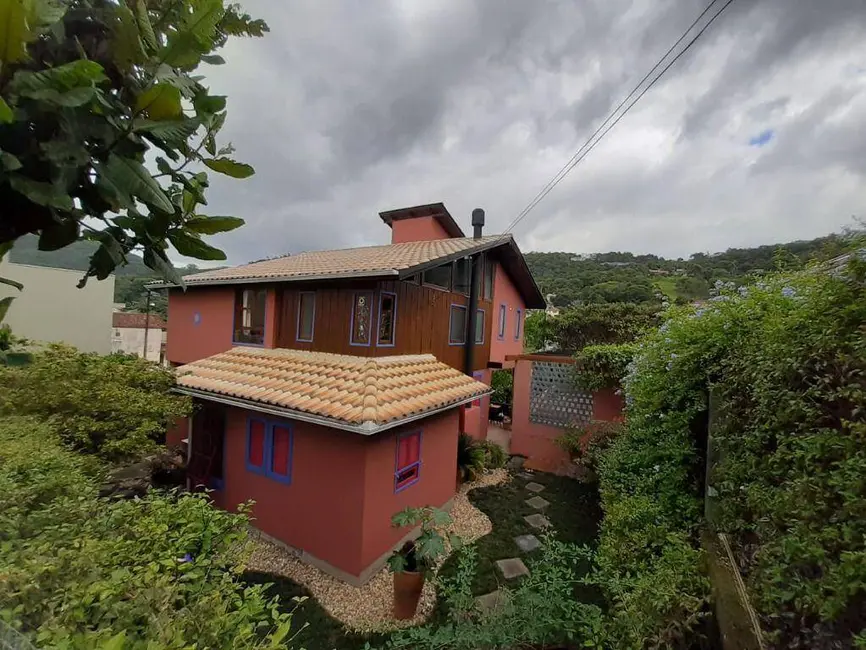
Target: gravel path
369,608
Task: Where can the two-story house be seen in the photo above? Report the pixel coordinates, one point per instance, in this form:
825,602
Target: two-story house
333,384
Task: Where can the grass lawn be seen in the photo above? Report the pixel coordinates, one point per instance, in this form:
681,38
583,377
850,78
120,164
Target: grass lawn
574,512
668,286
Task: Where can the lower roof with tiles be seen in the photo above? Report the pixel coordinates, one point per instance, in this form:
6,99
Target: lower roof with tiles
361,394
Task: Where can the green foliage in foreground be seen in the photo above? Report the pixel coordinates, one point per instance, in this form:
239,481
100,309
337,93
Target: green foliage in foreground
114,406
788,359
540,611
89,89
78,571
603,366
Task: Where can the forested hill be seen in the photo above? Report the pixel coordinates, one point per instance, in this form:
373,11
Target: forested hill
76,256
624,277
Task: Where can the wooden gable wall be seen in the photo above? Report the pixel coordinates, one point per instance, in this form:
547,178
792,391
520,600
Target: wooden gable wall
422,324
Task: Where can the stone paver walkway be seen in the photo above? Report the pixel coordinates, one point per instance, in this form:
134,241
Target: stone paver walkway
537,502
493,600
537,521
534,487
512,568
527,543
526,475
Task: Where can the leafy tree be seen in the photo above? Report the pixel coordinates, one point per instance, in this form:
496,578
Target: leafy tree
535,331
596,324
692,288
114,406
91,91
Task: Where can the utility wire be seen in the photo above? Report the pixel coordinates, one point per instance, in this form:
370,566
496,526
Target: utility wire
589,145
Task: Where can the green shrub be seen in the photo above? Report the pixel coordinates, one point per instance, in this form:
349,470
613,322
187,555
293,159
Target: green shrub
494,455
587,444
114,406
602,366
470,457
786,358
540,612
78,570
502,383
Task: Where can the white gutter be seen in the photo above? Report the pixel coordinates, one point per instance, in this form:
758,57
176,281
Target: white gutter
365,429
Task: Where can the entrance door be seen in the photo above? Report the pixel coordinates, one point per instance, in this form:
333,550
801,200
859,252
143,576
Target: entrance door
206,467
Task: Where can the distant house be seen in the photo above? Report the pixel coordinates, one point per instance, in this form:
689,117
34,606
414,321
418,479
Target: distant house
52,309
132,333
332,385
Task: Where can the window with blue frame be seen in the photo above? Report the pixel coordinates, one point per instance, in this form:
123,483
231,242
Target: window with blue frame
518,324
408,464
457,325
502,316
269,449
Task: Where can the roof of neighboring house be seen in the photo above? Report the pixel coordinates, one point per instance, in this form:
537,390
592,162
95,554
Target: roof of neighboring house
361,394
121,319
392,260
435,210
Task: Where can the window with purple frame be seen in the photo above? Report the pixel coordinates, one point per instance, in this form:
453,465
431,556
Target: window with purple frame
306,316
407,468
362,318
518,323
387,319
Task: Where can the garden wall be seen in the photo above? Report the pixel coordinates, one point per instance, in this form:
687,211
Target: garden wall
546,402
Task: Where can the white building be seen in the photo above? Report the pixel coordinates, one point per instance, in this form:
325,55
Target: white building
128,334
52,309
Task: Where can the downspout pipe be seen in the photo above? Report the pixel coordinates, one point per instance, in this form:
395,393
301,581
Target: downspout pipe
474,285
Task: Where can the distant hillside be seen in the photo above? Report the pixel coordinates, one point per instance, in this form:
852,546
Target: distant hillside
76,256
624,277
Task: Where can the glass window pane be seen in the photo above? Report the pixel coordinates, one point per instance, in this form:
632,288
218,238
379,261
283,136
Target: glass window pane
361,319
439,276
256,451
462,275
250,316
489,271
387,318
479,327
280,451
457,332
306,315
501,321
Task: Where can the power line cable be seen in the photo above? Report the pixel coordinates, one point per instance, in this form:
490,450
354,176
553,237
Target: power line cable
589,145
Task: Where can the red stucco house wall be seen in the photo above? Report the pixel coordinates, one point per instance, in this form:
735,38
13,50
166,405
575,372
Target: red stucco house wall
201,322
337,509
418,229
536,441
506,296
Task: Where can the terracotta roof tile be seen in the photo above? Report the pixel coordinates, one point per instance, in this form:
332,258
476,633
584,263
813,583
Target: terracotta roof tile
367,393
347,262
136,320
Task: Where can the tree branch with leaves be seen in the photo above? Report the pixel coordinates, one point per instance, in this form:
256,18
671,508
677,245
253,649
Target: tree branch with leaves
92,91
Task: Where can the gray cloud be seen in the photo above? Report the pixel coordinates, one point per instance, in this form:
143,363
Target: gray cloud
349,108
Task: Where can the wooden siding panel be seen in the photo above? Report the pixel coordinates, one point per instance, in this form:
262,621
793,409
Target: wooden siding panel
423,319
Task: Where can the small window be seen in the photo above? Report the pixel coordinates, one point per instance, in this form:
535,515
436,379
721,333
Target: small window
281,453
478,375
414,279
462,275
269,449
387,318
457,329
250,316
408,466
517,324
489,272
502,318
117,333
479,327
439,276
306,315
361,318
256,434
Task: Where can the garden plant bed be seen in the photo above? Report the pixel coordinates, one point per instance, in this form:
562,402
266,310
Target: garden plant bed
574,513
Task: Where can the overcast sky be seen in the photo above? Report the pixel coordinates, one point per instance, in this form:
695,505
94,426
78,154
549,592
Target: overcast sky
348,108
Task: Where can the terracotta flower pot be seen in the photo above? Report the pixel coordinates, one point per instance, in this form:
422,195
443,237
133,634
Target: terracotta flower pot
407,592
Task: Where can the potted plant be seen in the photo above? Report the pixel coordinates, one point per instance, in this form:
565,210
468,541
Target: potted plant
417,558
470,458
